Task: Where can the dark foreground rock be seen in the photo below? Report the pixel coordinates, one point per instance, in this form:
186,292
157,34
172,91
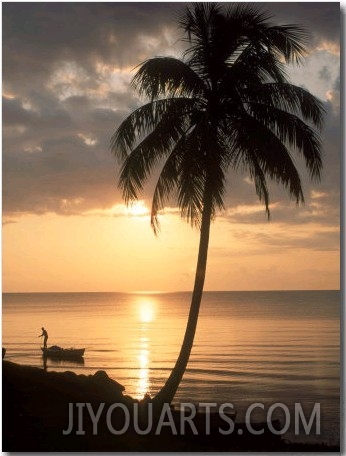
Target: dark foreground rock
37,406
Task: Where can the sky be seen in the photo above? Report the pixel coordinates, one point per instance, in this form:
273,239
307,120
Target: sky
66,70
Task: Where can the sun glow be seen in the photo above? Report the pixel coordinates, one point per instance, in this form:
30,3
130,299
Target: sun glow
146,311
137,209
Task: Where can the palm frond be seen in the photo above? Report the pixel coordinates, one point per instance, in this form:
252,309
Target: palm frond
255,65
167,76
257,174
192,178
288,41
166,185
196,20
145,119
293,132
287,97
157,144
253,142
200,170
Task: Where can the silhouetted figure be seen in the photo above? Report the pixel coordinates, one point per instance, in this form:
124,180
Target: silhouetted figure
45,335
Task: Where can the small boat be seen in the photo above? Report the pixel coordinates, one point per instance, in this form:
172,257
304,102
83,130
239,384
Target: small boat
63,353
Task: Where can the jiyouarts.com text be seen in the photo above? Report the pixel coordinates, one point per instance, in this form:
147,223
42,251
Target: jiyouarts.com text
198,419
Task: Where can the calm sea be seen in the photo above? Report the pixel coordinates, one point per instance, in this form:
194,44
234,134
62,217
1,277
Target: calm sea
250,347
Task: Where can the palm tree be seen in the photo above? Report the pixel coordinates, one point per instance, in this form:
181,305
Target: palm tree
227,105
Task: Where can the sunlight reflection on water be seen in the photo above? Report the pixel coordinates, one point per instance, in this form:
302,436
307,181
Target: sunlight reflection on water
145,310
143,386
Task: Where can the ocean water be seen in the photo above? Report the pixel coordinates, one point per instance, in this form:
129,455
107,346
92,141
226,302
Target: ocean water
250,347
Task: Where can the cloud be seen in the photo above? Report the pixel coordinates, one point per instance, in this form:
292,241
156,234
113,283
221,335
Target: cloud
70,38
324,73
66,73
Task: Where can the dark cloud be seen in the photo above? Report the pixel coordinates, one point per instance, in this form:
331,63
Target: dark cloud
14,114
324,73
270,239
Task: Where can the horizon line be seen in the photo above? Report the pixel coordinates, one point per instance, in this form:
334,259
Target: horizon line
172,292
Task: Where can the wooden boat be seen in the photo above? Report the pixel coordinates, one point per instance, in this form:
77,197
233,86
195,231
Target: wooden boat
63,353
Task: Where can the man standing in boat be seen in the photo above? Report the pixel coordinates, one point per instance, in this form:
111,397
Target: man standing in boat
45,335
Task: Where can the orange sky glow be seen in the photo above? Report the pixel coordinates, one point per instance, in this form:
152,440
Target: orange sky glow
65,225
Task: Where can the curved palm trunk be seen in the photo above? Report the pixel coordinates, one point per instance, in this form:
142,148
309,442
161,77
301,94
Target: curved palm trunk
168,391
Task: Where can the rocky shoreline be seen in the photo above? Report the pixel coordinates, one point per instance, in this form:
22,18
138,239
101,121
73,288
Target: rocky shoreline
37,411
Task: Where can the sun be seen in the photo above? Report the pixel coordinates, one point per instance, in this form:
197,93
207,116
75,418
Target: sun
137,209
